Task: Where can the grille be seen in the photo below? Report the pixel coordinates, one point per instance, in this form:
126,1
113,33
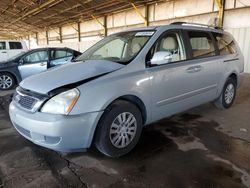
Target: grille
27,102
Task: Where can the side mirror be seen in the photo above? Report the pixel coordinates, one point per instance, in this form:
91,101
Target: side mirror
21,62
161,57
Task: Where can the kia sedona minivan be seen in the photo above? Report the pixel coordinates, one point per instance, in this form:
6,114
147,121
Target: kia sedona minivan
124,82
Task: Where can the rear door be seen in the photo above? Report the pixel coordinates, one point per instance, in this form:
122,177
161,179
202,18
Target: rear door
33,63
15,48
60,57
206,65
3,51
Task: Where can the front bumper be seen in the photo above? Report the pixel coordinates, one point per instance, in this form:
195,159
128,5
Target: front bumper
57,132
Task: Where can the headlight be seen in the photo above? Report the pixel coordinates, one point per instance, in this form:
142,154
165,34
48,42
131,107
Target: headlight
61,103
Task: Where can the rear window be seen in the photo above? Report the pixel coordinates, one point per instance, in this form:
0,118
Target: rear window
225,43
69,53
15,45
57,54
201,43
2,45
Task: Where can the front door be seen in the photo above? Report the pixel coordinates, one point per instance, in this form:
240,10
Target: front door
172,84
33,63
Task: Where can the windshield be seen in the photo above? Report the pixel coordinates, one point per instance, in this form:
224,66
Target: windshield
120,48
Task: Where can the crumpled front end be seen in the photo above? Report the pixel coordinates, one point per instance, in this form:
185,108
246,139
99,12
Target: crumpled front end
57,132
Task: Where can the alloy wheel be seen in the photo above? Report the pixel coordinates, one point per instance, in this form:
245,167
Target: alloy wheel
5,82
229,93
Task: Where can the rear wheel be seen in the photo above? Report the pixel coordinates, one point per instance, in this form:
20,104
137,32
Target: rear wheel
119,129
227,96
7,81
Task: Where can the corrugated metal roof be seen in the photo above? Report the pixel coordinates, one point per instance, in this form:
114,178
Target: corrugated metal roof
21,17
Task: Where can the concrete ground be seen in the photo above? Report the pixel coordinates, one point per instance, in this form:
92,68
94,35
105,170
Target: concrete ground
203,147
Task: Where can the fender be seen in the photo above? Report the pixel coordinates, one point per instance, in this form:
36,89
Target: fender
14,71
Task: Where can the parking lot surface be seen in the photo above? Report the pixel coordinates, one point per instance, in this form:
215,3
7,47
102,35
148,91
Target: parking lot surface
203,147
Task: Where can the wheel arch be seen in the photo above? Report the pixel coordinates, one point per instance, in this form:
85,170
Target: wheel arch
137,102
129,98
96,140
234,76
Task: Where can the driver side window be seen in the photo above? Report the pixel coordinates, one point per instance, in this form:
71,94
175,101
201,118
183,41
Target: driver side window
170,44
36,57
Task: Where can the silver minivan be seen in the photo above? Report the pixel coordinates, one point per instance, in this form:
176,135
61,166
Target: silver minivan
124,82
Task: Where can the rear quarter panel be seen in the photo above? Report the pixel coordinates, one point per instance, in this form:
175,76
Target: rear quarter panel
232,64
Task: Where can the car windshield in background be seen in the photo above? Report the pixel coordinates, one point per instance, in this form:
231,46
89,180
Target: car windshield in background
120,48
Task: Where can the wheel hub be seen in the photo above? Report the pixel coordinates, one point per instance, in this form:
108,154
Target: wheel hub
123,130
229,93
5,82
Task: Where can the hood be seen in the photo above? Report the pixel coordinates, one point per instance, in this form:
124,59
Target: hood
68,74
5,64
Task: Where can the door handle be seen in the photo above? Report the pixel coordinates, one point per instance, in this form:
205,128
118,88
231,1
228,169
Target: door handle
4,52
194,69
43,63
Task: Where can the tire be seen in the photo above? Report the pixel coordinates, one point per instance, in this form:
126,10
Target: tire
224,101
110,129
7,81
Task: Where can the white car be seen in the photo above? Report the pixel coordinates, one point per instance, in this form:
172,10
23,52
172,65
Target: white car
9,49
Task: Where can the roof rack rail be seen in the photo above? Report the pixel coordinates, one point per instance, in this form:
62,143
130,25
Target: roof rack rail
196,25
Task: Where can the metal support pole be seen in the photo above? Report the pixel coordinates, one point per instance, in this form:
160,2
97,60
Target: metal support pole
137,10
147,15
105,26
47,37
98,21
60,34
221,6
37,40
79,31
29,41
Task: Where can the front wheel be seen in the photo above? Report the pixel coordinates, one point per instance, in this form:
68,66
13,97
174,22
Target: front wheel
6,81
227,96
119,129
